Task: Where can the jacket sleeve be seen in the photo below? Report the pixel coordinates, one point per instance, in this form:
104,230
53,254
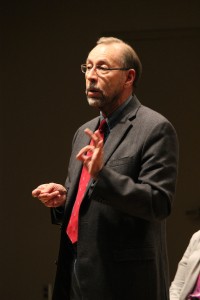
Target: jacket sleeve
57,213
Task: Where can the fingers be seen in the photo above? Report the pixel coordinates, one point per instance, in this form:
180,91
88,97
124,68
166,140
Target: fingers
44,197
97,142
48,188
50,194
92,151
36,192
95,136
53,199
83,153
54,202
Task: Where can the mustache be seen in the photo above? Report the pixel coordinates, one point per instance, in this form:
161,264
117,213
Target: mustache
93,88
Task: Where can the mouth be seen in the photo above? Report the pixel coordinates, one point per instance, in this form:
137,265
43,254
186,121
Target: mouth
93,92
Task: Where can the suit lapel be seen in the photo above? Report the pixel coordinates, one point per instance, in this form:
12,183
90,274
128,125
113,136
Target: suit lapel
119,131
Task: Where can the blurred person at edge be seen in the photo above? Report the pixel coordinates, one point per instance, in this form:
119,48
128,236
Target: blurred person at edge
186,283
120,250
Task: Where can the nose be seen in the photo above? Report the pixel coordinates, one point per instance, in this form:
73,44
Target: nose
92,73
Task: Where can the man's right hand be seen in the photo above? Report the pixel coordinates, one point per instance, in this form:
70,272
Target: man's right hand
50,194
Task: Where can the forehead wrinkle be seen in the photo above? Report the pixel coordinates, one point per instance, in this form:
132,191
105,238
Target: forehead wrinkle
104,54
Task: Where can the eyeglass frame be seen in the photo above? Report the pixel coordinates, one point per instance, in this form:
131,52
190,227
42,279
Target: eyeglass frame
100,68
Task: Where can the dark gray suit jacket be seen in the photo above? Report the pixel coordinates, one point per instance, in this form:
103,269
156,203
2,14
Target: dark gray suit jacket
121,252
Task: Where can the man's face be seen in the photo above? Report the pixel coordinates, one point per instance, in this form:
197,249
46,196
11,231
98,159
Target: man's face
105,89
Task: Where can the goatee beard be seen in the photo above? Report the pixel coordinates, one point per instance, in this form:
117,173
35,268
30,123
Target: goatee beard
94,102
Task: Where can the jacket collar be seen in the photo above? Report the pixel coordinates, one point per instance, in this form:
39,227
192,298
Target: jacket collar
121,128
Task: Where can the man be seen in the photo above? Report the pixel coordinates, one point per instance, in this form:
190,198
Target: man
119,251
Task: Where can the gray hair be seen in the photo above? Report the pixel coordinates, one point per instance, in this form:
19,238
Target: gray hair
130,58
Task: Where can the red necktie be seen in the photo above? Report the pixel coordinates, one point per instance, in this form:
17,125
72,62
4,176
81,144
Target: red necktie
72,228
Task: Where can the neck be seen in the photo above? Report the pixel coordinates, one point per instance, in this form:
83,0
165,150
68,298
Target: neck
108,111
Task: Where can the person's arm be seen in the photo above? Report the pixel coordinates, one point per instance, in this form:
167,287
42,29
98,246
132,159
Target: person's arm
57,214
181,273
148,196
54,196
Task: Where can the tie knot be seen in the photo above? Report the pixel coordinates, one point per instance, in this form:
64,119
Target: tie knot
102,126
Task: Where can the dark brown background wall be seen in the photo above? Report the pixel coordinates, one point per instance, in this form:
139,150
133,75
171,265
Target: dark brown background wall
43,103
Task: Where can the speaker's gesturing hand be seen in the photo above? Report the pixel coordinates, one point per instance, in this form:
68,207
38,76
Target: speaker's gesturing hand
50,194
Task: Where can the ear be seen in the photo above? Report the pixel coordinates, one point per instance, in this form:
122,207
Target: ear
130,78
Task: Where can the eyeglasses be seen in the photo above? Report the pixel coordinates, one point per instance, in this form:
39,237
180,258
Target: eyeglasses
99,69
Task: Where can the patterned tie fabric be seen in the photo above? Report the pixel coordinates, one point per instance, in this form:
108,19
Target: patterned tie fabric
72,228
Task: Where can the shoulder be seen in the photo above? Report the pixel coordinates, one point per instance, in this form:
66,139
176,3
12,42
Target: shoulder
89,124
195,239
152,124
151,116
147,117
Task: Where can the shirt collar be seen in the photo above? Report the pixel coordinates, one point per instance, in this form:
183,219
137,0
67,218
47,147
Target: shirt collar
113,118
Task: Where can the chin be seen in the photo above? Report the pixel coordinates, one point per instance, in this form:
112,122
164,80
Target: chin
94,102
